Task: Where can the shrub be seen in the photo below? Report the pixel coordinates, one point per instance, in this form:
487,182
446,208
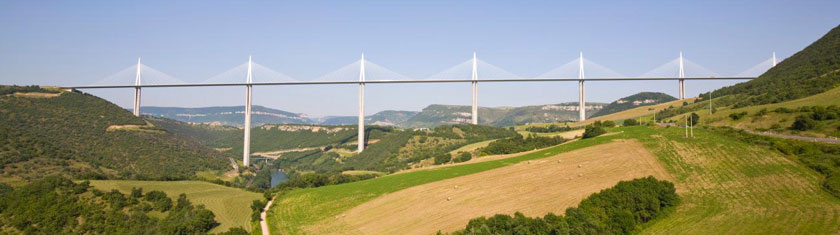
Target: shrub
593,131
803,123
737,116
442,158
608,123
463,157
630,122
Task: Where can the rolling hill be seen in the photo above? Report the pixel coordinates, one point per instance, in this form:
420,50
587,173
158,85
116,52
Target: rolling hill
813,70
437,114
47,131
633,101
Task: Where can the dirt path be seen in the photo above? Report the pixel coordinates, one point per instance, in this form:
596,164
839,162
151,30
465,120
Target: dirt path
796,137
533,187
263,221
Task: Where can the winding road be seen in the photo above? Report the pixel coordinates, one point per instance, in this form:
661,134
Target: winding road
263,222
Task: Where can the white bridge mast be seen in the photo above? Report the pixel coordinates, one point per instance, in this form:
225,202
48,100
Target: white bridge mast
682,81
361,136
246,150
475,90
581,91
136,110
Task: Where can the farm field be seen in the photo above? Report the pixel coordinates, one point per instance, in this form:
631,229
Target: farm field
297,210
230,205
533,187
730,187
727,187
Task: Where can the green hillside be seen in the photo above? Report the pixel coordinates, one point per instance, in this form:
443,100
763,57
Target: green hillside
45,132
811,71
633,101
331,149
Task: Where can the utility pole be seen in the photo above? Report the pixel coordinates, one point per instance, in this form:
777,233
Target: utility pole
691,124
246,150
710,101
581,90
475,89
361,137
136,110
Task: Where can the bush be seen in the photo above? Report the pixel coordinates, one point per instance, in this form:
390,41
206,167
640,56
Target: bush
694,119
443,158
593,131
520,144
630,122
609,123
463,157
803,123
737,116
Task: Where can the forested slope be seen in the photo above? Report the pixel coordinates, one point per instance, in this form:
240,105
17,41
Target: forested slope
82,136
811,71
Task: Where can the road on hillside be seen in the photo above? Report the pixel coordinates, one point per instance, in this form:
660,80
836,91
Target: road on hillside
796,137
263,222
777,135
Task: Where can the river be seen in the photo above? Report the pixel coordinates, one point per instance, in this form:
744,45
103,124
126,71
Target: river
278,177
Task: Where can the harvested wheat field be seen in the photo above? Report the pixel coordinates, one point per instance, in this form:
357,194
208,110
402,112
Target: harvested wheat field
532,187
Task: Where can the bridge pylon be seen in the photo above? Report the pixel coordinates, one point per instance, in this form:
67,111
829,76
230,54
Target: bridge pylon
136,110
475,89
361,136
682,75
246,150
581,90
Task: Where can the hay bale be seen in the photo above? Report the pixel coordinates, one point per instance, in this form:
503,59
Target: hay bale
448,198
579,165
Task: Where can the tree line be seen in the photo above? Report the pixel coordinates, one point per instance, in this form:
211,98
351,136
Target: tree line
622,209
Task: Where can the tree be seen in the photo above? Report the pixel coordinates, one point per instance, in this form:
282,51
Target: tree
592,131
630,122
694,119
803,123
442,158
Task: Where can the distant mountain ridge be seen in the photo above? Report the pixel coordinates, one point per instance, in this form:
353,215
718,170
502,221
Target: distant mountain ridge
431,116
637,100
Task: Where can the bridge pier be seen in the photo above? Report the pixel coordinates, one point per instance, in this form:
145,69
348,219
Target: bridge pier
682,89
475,91
136,110
361,136
682,81
246,149
581,91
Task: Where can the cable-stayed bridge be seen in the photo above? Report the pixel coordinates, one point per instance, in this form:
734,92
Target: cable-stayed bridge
362,72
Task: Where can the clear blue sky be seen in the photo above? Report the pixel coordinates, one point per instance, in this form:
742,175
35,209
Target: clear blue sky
74,42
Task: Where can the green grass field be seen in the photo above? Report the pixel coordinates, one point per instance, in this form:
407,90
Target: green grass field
721,116
300,208
727,187
730,187
231,206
